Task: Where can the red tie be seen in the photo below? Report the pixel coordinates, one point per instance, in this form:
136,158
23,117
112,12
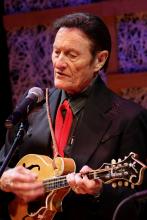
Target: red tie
63,126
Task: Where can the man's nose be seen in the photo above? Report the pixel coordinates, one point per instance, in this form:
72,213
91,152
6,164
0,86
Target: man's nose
61,61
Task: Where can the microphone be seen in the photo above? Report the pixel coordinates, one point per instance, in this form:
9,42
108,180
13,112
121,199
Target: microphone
35,95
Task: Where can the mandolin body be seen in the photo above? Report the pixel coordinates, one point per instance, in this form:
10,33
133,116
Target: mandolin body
47,170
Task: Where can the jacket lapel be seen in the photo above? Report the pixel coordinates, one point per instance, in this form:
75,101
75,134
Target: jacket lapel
93,124
55,96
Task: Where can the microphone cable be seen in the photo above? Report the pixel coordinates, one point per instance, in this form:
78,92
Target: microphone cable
137,195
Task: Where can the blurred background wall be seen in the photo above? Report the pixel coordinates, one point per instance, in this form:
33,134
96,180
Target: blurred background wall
5,88
25,46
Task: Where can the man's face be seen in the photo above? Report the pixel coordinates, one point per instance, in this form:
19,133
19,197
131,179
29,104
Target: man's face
74,66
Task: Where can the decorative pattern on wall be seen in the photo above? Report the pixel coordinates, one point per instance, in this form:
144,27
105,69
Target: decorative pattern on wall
132,42
13,6
30,53
138,95
29,59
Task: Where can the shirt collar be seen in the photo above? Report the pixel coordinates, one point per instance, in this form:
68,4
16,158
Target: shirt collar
77,102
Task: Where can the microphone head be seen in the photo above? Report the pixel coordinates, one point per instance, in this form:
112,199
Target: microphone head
37,92
35,95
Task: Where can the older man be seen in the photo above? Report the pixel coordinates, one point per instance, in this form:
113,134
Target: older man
100,126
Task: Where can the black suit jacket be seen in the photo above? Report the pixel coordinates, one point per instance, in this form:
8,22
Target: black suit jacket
110,127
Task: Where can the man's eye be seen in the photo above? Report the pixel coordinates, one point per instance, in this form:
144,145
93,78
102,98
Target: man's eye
56,53
72,56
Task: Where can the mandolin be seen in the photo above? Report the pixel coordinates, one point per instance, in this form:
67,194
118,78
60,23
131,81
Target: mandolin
128,171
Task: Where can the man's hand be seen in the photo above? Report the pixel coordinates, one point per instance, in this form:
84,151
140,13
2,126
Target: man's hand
80,183
22,182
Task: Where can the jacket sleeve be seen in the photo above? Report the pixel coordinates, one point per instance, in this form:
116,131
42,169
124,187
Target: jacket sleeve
133,139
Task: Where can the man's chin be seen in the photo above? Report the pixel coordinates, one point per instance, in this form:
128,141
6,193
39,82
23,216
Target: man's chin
64,87
60,85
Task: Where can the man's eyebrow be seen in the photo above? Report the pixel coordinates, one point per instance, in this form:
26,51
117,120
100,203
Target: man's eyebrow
71,49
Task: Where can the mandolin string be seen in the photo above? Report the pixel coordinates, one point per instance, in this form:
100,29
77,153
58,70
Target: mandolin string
50,185
61,180
53,181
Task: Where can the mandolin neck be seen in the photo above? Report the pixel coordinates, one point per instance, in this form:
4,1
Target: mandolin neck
61,182
55,183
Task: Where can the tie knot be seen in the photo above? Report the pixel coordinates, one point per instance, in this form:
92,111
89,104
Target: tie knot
65,105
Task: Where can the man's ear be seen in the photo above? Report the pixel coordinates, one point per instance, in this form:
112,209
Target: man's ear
100,60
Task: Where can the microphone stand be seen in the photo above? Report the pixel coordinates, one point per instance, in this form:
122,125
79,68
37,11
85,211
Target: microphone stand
16,141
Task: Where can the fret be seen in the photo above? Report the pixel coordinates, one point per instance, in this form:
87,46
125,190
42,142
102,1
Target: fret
96,174
55,183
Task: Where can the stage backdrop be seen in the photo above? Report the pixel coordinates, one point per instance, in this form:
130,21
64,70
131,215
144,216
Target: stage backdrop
27,24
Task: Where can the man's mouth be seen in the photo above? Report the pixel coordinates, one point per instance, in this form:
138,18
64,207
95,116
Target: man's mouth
61,74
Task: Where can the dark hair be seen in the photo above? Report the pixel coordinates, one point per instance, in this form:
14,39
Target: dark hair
94,28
